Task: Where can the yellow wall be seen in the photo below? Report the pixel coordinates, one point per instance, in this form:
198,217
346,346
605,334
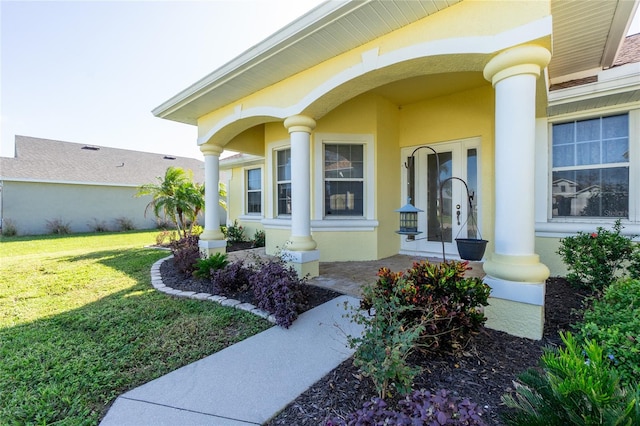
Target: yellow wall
343,246
388,178
546,248
251,141
276,240
235,194
357,115
458,116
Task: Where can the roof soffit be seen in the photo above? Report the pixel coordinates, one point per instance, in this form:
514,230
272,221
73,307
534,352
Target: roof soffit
325,32
587,35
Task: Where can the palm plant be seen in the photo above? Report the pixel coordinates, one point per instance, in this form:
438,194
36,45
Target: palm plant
175,197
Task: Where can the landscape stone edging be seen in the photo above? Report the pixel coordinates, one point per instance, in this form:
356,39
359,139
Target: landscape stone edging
156,282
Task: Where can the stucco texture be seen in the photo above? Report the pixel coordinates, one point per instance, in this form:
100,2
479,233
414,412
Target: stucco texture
30,205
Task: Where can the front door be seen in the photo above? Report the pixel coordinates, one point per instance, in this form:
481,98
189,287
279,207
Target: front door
440,192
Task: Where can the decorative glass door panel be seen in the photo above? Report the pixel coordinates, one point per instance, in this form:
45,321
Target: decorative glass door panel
439,220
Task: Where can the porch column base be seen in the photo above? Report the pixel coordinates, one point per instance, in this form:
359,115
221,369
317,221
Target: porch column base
212,235
519,268
301,243
516,308
305,263
211,247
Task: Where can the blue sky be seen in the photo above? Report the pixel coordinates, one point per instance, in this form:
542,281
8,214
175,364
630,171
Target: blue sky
92,71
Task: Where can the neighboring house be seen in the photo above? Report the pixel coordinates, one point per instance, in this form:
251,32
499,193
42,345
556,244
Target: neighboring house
513,96
82,185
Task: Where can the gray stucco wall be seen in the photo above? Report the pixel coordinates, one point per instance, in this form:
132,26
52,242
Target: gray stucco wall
29,205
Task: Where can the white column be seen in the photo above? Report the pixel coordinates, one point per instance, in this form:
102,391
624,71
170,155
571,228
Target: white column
212,239
300,251
300,128
514,74
514,272
514,169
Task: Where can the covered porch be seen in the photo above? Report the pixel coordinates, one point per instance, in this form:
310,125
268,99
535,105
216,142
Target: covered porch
350,277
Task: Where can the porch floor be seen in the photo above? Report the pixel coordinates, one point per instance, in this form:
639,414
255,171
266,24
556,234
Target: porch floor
349,277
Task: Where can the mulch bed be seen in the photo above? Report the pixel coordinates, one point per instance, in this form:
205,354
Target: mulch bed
171,277
482,371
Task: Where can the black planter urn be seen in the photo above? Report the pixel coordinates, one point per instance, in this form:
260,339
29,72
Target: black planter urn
471,248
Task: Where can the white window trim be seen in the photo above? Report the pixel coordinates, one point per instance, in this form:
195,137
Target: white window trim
246,216
546,225
367,141
269,208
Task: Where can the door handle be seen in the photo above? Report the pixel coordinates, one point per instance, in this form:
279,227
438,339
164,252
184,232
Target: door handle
458,213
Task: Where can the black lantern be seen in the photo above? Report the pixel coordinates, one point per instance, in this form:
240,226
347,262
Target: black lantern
409,219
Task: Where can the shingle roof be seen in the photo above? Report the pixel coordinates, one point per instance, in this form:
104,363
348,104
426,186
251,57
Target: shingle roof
629,53
55,161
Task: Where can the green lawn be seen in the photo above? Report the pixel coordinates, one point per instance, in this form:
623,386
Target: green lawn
80,324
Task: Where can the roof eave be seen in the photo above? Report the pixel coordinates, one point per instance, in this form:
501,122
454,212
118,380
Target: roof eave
239,160
619,28
281,39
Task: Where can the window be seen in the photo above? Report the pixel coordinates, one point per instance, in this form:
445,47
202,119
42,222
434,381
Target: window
344,179
254,191
283,181
590,168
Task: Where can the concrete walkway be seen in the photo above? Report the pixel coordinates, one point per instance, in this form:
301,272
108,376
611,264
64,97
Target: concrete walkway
250,382
247,383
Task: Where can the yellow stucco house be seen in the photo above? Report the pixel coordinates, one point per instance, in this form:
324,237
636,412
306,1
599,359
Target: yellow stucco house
512,96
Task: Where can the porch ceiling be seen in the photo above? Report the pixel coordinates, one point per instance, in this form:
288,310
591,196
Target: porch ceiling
587,36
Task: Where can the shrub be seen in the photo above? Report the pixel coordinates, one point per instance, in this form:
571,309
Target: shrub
388,339
232,278
425,307
124,224
186,253
206,266
421,407
576,386
166,237
9,228
235,233
58,226
164,223
614,322
595,259
634,264
98,225
259,238
277,290
441,288
197,230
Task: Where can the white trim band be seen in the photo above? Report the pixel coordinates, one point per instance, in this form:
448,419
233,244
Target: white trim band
530,293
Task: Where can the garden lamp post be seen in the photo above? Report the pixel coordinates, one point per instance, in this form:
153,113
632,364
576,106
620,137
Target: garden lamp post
408,212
